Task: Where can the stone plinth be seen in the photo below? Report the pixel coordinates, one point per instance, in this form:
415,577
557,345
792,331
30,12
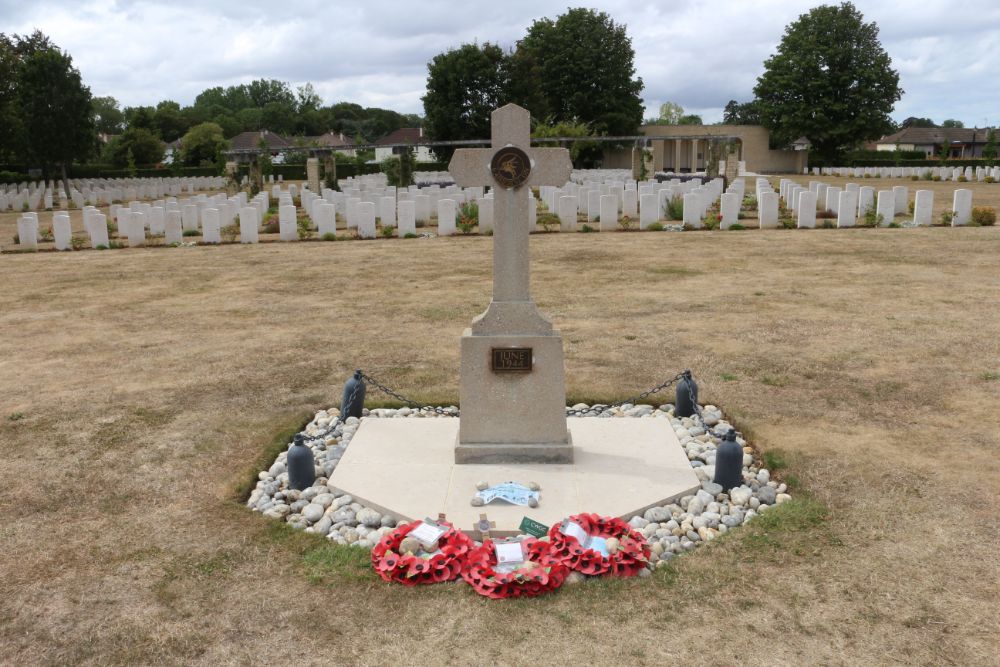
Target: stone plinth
622,466
513,416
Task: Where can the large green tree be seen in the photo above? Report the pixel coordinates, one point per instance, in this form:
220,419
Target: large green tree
582,65
464,86
830,81
202,145
144,147
10,118
55,109
108,116
736,113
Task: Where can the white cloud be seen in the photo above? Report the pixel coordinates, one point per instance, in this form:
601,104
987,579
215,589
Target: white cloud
698,54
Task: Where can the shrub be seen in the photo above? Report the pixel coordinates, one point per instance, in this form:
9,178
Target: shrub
654,227
947,217
736,227
963,179
625,223
230,232
673,208
189,232
101,247
989,179
271,226
935,178
712,220
828,224
586,229
115,245
468,217
329,236
870,218
46,234
867,176
548,221
749,203
77,242
386,231
914,178
410,235
303,225
984,216
17,239
825,215
894,225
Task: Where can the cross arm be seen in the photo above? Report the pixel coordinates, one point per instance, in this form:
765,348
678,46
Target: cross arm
470,167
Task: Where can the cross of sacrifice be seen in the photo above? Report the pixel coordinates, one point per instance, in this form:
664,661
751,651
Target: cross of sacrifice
510,166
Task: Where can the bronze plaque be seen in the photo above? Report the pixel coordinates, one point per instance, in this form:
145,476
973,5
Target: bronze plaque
511,360
511,167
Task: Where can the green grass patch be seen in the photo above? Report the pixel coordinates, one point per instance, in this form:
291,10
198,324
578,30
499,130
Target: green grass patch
728,377
672,271
278,443
774,459
15,416
329,563
989,376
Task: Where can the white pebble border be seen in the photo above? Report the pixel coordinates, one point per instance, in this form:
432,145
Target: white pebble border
671,529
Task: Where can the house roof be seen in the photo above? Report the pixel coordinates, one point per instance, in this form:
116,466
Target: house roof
936,135
404,135
251,140
333,140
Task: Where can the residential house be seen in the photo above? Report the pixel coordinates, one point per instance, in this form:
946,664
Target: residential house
963,142
395,143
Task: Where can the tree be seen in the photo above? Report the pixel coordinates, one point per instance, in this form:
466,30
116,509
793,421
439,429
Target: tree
916,122
582,65
307,99
990,149
142,145
670,114
170,123
144,117
951,122
55,109
583,153
108,117
690,119
203,144
464,86
10,118
741,114
830,81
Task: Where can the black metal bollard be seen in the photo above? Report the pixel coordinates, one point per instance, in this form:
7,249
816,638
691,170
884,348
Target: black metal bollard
353,401
686,396
729,462
301,465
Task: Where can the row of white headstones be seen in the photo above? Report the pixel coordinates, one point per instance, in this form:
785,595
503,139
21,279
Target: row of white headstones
360,205
100,192
854,201
944,173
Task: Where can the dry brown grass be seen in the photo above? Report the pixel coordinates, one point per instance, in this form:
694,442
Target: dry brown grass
140,388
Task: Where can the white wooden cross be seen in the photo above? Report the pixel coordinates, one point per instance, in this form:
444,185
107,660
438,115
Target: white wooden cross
470,167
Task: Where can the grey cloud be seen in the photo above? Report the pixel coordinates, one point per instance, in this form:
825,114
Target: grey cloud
698,53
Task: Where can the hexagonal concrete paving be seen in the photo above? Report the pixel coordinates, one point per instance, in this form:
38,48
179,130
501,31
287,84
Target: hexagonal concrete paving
622,466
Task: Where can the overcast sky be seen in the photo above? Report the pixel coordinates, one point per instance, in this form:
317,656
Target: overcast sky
698,53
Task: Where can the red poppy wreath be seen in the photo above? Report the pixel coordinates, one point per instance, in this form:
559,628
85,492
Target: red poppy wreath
408,561
608,545
539,573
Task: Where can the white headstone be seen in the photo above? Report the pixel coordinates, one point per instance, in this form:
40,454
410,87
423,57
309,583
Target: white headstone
249,224
446,217
366,220
387,211
961,207
900,196
137,229
729,209
609,213
211,228
288,228
807,210
847,208
692,210
923,205
485,214
885,207
173,228
62,231
190,220
767,210
567,213
407,218
326,218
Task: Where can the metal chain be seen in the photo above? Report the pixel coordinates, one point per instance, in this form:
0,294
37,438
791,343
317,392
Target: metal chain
592,411
399,397
595,410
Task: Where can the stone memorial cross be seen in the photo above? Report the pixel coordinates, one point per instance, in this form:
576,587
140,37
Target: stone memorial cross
512,390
